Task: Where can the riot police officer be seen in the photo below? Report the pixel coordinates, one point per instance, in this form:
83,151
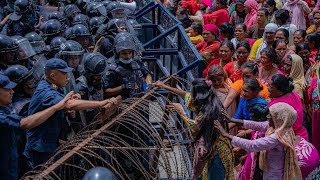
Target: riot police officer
81,19
11,122
25,52
71,11
128,74
23,20
51,29
81,34
55,46
44,139
8,50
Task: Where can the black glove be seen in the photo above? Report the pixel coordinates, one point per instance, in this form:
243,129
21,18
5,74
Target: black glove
128,85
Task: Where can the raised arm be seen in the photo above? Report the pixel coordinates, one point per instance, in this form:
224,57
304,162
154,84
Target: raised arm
176,91
261,144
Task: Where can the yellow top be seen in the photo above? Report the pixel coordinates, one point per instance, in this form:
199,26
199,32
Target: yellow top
254,49
195,39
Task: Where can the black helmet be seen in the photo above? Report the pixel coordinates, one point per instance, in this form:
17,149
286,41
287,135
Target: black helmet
25,49
36,42
81,19
124,41
99,173
106,48
114,25
7,44
94,63
95,22
56,42
17,73
51,27
67,33
115,10
20,7
58,16
79,30
71,9
91,10
82,5
71,48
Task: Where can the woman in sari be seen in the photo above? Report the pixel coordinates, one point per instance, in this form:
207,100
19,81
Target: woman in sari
293,66
282,50
251,9
268,61
233,68
303,51
239,14
298,37
277,149
281,90
241,35
209,47
213,156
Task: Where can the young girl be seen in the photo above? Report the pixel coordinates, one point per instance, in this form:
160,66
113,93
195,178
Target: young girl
195,33
277,150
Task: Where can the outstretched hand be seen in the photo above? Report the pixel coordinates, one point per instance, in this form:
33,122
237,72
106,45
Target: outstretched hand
159,84
61,105
218,126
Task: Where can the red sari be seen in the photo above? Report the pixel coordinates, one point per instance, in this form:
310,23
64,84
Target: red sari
212,50
233,75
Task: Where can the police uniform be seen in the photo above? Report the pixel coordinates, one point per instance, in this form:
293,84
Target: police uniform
9,124
43,139
118,74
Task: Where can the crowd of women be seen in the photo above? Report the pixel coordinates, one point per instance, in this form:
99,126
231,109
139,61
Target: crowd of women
257,106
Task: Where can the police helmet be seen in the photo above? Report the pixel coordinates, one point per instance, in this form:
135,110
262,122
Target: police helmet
95,22
17,73
71,47
25,49
124,41
99,173
36,42
7,44
94,63
51,27
79,30
115,10
70,10
21,6
91,10
106,48
58,16
67,33
56,42
81,19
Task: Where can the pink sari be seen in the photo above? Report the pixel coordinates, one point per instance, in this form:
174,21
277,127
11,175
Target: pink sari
293,99
248,168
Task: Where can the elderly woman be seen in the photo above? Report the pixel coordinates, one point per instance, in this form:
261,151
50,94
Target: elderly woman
209,48
277,149
266,41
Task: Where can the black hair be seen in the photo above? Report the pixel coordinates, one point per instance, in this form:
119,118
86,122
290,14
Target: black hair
227,28
284,32
197,28
265,11
271,54
183,11
302,32
302,46
314,37
223,2
207,102
244,27
282,83
227,43
272,3
253,84
259,113
277,42
186,21
282,14
251,65
244,44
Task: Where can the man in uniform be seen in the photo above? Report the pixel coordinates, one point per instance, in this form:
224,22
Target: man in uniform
127,75
43,140
10,123
8,50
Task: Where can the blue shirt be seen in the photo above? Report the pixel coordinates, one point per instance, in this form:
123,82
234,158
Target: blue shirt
9,123
243,110
45,137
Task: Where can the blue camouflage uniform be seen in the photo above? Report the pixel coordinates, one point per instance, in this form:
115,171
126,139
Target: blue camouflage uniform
9,124
43,140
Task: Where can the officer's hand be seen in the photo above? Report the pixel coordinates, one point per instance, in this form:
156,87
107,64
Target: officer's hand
60,105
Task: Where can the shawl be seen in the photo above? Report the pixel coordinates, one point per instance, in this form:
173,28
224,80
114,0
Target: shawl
251,17
297,12
297,74
283,116
271,27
